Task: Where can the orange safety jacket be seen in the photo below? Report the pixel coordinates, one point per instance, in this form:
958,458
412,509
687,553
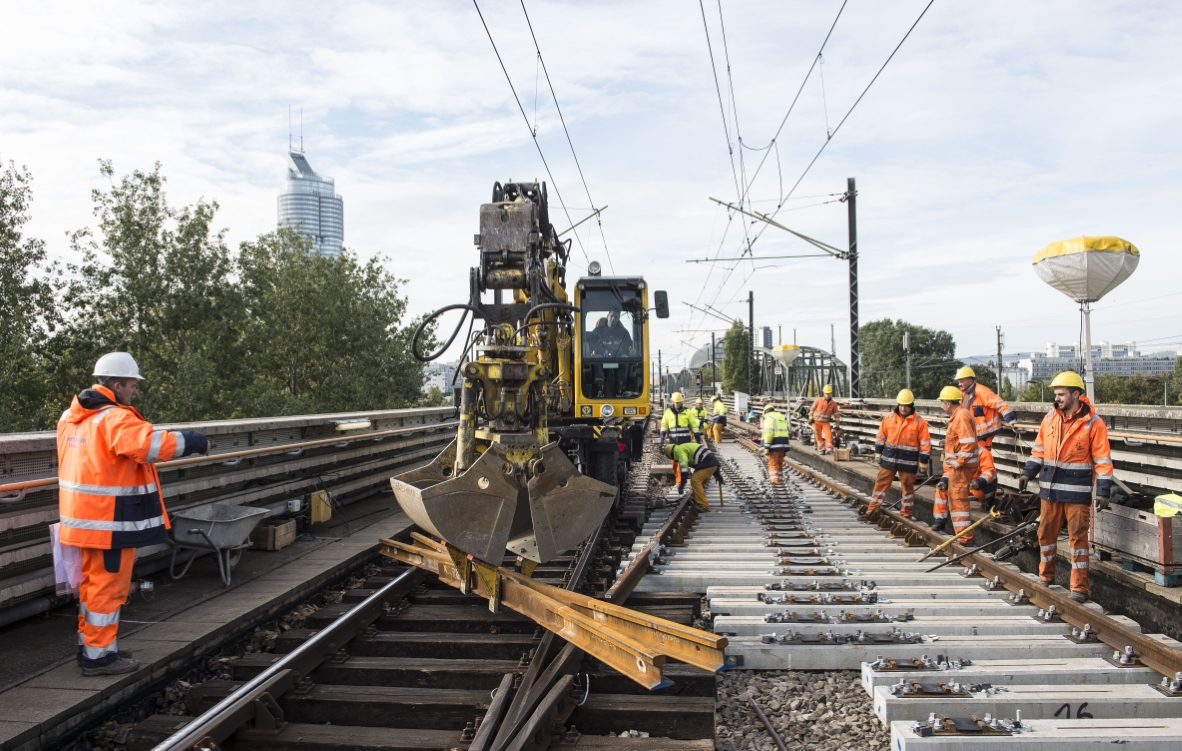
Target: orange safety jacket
1069,453
108,488
989,410
903,442
960,442
824,410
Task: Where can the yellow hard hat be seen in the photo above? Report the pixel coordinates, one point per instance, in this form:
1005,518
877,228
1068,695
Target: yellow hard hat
905,397
827,390
951,394
676,398
1069,379
768,407
698,400
965,372
669,451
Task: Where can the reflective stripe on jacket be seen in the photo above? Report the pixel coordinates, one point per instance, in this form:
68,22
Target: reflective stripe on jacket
108,489
824,410
693,456
988,409
904,442
680,426
960,441
699,415
1069,453
775,430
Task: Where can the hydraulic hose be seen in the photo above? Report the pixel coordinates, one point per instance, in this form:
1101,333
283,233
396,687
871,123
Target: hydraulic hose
414,342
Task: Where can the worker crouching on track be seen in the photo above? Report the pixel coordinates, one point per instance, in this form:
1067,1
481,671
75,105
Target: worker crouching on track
1070,452
903,446
775,441
109,500
961,458
824,416
718,420
703,463
678,425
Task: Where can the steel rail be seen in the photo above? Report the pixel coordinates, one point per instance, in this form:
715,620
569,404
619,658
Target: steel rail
219,722
1153,654
281,449
642,562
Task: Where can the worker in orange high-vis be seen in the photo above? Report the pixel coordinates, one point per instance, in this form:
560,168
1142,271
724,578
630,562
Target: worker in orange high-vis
989,410
961,457
774,441
903,446
824,416
984,484
1070,453
109,500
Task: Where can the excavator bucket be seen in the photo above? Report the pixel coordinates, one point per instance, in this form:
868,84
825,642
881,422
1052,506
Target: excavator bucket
484,511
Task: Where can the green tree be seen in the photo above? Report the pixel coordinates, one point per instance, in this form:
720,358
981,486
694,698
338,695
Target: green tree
157,282
736,358
933,359
324,333
28,309
434,398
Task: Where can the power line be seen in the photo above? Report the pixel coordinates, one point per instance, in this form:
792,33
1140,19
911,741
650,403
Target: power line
568,139
533,134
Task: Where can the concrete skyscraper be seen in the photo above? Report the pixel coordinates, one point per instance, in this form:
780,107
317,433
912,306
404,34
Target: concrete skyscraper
309,203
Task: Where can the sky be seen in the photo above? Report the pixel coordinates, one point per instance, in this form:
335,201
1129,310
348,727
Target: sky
995,129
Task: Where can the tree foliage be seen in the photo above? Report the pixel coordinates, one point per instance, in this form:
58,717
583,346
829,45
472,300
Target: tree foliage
736,358
270,329
933,359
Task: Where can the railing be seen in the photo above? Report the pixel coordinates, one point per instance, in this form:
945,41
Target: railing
263,462
1146,441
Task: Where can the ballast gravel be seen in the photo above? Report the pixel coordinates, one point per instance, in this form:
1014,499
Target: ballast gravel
811,710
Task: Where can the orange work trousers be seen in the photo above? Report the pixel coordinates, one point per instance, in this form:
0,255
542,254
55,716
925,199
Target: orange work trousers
823,436
106,577
698,483
1079,521
775,466
958,500
882,484
717,429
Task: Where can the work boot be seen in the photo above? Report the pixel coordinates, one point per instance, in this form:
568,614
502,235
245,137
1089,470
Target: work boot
119,666
941,526
1080,597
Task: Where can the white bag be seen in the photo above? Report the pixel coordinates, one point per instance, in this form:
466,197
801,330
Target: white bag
67,564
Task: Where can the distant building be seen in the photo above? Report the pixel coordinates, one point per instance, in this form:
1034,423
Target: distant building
1107,359
439,375
767,337
309,203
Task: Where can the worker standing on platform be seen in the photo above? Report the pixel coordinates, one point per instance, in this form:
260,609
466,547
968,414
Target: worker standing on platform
824,416
718,420
988,409
109,500
703,463
903,446
774,441
961,457
1071,452
678,425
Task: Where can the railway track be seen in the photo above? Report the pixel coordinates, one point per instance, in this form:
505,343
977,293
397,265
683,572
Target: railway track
967,657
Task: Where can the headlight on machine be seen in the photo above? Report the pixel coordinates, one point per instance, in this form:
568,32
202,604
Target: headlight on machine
607,410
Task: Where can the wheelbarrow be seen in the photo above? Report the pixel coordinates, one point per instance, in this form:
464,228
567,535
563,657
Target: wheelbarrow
220,529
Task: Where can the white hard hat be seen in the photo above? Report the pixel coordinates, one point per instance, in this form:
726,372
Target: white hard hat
117,365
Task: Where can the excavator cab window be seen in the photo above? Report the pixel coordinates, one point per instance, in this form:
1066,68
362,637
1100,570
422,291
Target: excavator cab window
612,344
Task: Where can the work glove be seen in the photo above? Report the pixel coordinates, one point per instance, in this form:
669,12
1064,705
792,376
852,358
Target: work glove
942,484
1023,481
195,443
1103,503
877,458
718,477
923,468
976,484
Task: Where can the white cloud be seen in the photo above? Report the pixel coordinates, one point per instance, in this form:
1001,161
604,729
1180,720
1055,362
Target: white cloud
997,128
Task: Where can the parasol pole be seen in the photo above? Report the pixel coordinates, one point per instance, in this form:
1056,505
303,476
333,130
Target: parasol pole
1089,374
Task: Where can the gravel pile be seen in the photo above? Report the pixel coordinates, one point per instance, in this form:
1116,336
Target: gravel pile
812,711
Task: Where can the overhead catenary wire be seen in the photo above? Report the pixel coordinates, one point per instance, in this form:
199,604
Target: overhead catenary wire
533,134
569,142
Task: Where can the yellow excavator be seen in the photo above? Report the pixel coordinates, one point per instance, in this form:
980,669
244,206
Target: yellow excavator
553,393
